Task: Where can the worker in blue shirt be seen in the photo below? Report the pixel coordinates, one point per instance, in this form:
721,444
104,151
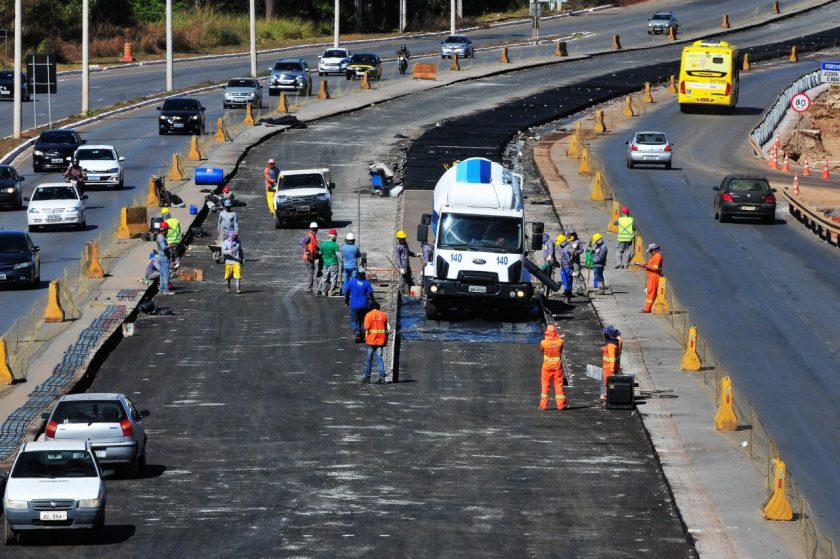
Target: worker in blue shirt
350,255
358,294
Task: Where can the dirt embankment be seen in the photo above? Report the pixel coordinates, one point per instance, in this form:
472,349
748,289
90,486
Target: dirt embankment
819,133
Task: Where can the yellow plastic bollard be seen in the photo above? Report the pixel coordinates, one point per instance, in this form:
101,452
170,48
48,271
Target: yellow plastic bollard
599,127
573,151
504,59
560,49
660,304
778,507
745,65
455,67
584,168
176,170
194,154
628,107
616,42
672,34
6,376
691,359
282,105
776,10
725,418
648,97
672,85
221,133
249,116
793,55
638,251
93,267
597,193
152,198
53,313
365,84
725,22
612,226
322,91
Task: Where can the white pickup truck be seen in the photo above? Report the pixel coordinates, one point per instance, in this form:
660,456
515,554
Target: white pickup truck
303,195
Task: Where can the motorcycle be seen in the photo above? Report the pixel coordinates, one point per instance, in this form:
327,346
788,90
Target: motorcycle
403,61
78,182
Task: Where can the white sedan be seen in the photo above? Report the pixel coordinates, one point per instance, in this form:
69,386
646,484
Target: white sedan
102,164
55,204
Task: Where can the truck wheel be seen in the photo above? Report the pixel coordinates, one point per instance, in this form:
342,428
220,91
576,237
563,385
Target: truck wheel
434,310
278,224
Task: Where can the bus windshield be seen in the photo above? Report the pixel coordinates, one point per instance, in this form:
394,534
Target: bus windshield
480,233
704,64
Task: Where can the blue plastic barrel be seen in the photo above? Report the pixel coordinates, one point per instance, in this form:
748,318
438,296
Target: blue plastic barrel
211,176
193,209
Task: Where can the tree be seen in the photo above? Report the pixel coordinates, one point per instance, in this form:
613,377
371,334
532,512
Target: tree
269,9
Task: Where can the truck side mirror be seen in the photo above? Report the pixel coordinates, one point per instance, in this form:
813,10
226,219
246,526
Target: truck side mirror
537,229
423,233
426,219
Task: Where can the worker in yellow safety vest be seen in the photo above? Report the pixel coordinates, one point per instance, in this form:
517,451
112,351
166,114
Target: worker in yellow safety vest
626,238
173,237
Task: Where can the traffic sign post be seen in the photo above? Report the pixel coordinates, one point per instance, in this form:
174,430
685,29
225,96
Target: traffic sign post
830,72
800,102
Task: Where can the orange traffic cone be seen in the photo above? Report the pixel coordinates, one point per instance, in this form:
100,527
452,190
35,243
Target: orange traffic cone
778,143
774,160
806,169
825,175
795,184
786,164
771,157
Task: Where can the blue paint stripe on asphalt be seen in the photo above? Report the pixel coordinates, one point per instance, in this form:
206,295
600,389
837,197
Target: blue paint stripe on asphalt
415,327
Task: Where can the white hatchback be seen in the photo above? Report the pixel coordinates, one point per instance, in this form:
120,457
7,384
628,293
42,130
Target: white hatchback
333,61
53,204
102,164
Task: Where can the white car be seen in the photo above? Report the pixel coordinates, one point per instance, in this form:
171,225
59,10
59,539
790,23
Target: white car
54,485
55,204
333,61
102,164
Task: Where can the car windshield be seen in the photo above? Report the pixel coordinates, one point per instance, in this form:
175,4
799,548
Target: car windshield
480,233
6,173
180,105
13,243
651,139
7,75
242,83
666,17
748,185
54,193
334,54
367,59
95,154
57,138
54,464
288,67
88,411
456,39
312,180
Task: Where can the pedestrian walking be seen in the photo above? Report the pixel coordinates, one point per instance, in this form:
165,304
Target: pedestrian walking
329,257
613,344
654,272
626,238
403,253
565,259
552,368
310,256
228,221
350,255
599,262
234,260
163,259
376,337
358,293
271,173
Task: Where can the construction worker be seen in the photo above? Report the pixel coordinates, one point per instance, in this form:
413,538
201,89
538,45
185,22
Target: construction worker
227,193
575,249
565,266
228,221
350,255
626,238
546,259
173,237
329,258
234,260
402,253
613,345
163,259
358,293
654,272
552,368
599,261
376,336
271,173
310,256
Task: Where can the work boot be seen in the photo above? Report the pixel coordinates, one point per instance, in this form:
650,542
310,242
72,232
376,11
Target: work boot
380,380
365,380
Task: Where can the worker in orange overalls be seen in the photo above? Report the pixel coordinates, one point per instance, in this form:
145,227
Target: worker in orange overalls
552,368
654,272
376,336
613,344
271,173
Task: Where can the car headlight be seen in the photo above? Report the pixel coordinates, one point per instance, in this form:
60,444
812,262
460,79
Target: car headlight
90,503
251,95
282,199
194,117
23,265
10,189
114,170
16,505
161,117
34,210
323,197
39,153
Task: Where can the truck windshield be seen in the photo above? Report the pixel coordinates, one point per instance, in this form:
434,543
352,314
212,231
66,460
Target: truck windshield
302,181
480,233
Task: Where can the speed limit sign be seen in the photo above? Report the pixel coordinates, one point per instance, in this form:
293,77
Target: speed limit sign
800,102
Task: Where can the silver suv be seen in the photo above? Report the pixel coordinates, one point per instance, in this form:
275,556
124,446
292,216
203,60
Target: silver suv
660,22
289,74
242,91
110,422
457,44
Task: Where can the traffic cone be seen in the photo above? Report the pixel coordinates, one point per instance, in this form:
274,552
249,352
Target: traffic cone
771,157
825,174
806,169
786,164
777,145
774,159
796,184
282,105
725,21
672,85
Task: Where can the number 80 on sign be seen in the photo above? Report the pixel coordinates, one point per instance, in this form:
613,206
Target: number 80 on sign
800,102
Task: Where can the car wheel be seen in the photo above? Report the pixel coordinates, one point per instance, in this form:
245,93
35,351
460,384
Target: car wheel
9,535
161,132
630,164
723,217
97,533
37,168
717,213
19,205
278,224
432,310
320,73
768,219
668,166
121,184
33,228
82,225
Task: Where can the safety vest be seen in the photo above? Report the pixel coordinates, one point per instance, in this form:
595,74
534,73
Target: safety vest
612,354
654,264
625,229
173,234
376,328
552,349
310,247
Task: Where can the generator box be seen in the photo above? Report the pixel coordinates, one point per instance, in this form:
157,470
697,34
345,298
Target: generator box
621,392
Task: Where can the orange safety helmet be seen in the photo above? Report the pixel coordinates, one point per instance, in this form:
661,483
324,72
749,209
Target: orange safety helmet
625,211
551,331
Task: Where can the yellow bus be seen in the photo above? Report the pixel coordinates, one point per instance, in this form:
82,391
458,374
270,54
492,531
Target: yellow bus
708,75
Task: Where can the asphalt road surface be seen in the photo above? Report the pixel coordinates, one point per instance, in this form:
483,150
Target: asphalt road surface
763,296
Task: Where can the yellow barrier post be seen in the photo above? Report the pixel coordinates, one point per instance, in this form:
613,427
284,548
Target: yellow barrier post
648,97
660,304
194,154
778,507
365,84
454,67
776,10
573,151
221,133
745,65
597,193
504,59
282,105
612,226
691,359
616,42
152,198
584,168
322,91
725,418
560,49
249,116
133,223
599,127
793,55
176,171
6,376
638,251
725,21
672,85
93,269
672,34
628,107
53,313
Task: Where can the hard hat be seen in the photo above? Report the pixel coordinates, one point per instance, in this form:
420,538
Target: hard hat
625,210
550,329
164,211
561,238
313,225
164,225
597,237
401,234
226,189
652,247
333,232
360,271
350,237
227,203
271,162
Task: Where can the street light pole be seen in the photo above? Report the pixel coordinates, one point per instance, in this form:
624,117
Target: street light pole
402,16
253,39
168,45
16,115
335,26
452,10
85,57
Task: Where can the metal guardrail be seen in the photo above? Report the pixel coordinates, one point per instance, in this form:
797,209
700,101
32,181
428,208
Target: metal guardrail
763,133
821,226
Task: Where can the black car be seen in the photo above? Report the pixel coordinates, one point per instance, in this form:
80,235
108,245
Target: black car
181,114
7,85
10,193
54,148
745,196
20,259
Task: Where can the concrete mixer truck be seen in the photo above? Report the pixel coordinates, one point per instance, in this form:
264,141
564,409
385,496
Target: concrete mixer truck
478,251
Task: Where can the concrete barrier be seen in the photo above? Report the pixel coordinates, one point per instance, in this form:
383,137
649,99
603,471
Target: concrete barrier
585,168
628,107
322,91
504,58
672,85
454,67
597,193
176,170
600,126
560,49
195,154
776,10
725,418
424,72
133,223
365,81
53,314
778,507
691,359
249,116
6,376
648,96
612,224
745,65
152,198
221,133
93,266
282,104
793,56
616,42
725,21
660,303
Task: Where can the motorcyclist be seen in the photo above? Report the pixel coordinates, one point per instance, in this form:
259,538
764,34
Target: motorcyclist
75,172
403,55
404,52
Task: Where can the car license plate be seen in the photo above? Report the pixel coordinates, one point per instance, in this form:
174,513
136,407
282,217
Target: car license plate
178,125
478,289
302,208
101,453
2,276
53,218
650,157
749,208
93,177
57,160
6,92
53,515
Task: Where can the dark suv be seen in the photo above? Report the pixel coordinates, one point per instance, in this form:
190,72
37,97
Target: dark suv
745,196
181,114
54,148
20,259
7,85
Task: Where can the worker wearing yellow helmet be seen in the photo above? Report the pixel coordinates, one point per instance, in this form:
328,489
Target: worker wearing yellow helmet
565,259
402,253
599,261
173,237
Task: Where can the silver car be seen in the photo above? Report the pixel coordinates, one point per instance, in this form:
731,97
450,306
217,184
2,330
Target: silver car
109,421
289,74
652,148
241,91
457,44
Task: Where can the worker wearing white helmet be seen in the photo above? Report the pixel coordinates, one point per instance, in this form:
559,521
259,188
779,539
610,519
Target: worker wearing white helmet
350,255
402,253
